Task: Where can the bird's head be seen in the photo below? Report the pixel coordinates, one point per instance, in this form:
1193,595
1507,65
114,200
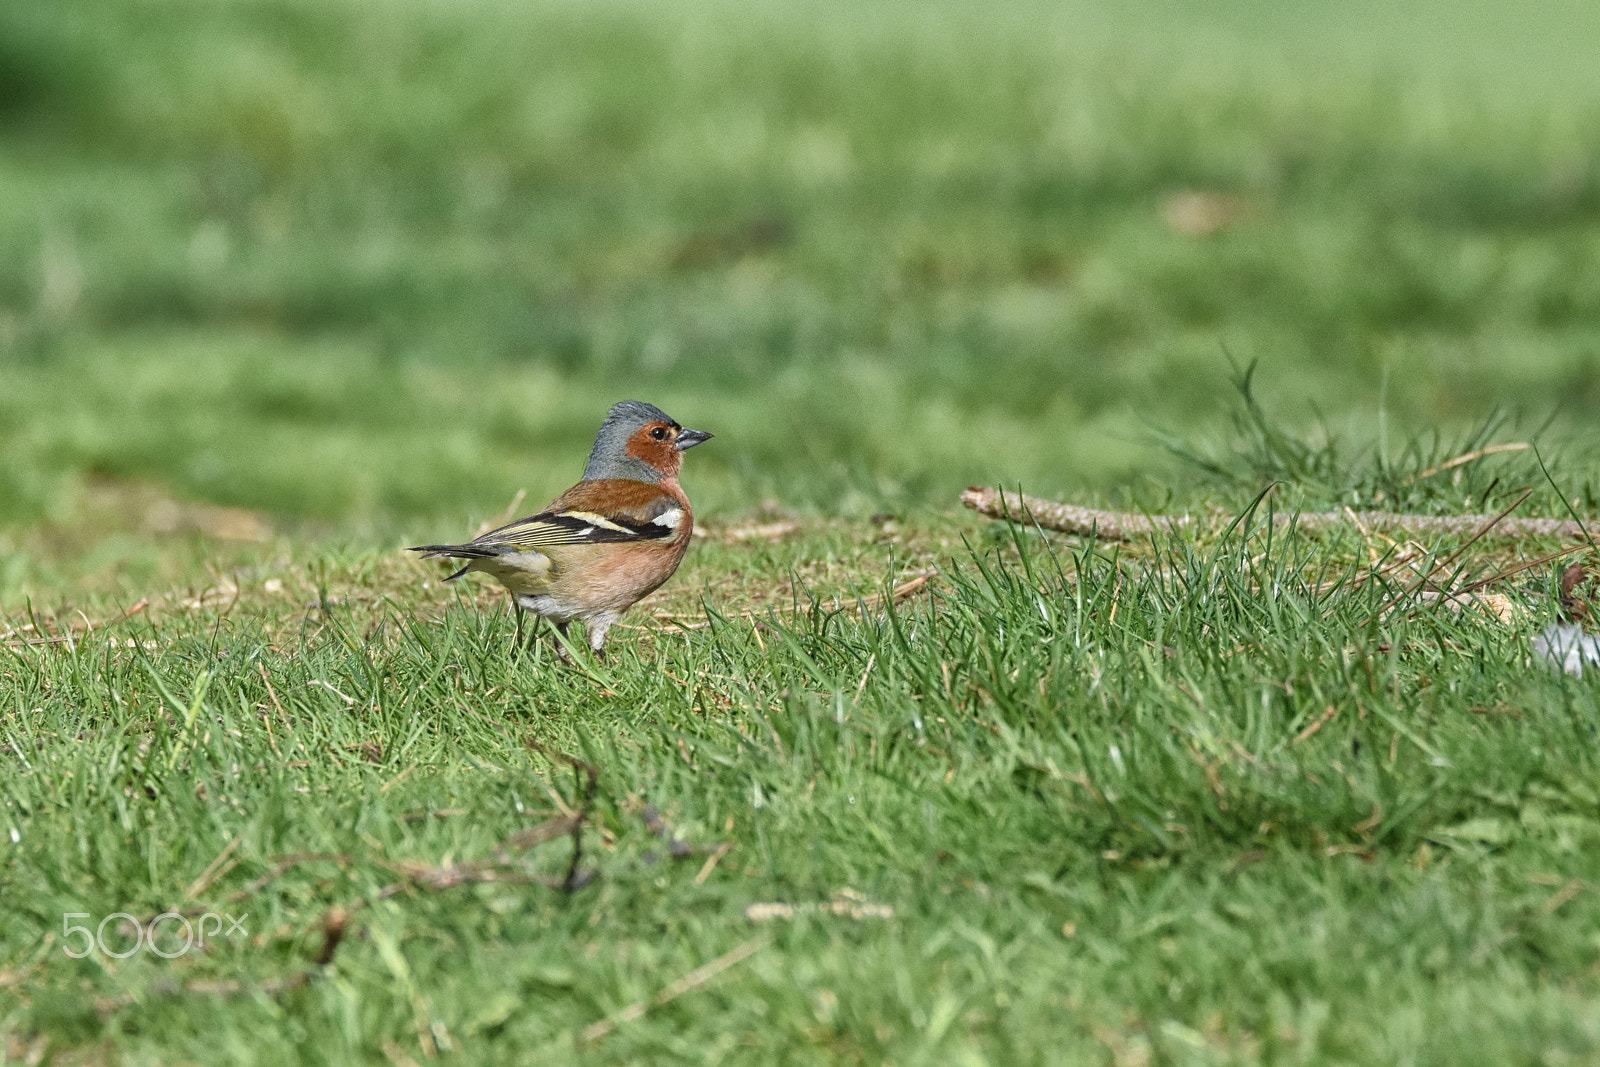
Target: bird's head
641,442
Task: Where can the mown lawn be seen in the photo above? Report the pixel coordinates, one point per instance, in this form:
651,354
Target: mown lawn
1061,804
287,285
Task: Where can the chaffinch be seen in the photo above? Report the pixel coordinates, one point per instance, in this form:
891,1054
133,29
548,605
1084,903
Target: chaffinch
606,543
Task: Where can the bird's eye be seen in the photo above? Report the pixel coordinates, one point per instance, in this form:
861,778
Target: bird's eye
659,433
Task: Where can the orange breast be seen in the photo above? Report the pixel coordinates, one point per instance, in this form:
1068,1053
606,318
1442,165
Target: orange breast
605,579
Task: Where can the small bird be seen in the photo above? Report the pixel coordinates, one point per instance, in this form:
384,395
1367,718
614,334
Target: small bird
606,543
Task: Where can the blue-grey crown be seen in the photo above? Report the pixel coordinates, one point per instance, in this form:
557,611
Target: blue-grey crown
635,413
609,458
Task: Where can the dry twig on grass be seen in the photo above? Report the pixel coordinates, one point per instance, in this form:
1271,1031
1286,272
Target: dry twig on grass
694,979
590,775
1128,525
413,875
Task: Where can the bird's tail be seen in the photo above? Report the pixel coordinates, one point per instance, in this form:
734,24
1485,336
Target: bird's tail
454,551
471,553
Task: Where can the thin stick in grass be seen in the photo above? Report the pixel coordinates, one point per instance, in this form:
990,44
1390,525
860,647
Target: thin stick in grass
689,982
1129,525
1482,531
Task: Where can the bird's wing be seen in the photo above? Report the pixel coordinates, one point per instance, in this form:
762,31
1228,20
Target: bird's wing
606,511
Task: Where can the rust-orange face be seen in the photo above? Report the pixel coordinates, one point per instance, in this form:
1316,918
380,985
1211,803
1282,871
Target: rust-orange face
639,442
660,444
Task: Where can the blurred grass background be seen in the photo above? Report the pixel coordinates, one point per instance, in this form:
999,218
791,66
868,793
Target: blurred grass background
379,265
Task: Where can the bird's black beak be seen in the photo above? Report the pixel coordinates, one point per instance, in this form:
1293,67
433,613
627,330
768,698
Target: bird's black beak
690,438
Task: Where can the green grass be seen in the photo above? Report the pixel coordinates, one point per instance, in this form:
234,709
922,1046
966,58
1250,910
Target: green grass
1073,774
286,284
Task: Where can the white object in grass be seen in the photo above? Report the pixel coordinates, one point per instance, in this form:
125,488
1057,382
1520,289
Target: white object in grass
1568,647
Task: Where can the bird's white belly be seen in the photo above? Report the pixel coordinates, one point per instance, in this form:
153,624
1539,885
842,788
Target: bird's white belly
546,607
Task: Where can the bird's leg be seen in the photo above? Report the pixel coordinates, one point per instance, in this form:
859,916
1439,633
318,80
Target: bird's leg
561,644
597,635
